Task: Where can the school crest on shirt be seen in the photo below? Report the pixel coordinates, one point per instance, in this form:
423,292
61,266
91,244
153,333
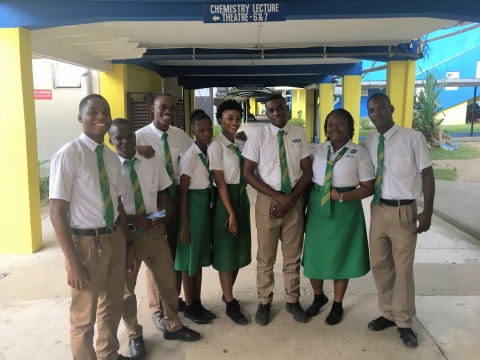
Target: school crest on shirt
296,140
296,143
352,153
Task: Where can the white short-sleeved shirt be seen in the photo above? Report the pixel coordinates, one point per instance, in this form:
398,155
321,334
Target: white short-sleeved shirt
355,165
262,148
191,165
152,176
74,177
178,143
220,157
406,155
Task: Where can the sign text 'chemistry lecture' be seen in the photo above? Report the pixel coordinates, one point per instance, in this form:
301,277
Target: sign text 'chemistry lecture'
234,13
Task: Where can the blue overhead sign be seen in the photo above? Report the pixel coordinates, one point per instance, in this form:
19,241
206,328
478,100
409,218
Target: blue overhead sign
236,13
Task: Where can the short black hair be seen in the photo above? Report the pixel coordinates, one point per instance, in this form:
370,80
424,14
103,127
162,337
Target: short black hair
228,105
275,97
347,116
379,96
196,115
121,121
84,101
158,96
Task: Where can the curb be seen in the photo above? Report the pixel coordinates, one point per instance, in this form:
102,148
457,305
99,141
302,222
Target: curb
452,221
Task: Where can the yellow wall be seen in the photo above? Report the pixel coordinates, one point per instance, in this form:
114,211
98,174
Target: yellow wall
298,102
326,105
352,93
260,107
455,115
20,226
143,80
253,106
113,87
401,90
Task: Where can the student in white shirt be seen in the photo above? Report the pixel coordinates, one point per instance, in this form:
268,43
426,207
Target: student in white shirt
146,181
336,244
195,238
231,247
153,139
86,211
401,177
280,174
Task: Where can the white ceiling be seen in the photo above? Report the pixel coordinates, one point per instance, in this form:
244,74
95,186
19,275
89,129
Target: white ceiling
95,45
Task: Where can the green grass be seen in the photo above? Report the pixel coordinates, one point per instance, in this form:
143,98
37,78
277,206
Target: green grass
464,152
445,174
460,128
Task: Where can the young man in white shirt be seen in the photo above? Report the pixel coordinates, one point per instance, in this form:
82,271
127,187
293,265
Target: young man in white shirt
155,139
86,212
403,172
280,154
146,181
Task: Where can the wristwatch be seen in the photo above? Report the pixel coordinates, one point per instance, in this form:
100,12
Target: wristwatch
341,198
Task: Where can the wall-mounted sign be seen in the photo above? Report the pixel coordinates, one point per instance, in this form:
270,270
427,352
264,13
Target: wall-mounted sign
235,13
42,94
252,87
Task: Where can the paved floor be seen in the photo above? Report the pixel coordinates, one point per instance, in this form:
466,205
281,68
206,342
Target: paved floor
34,300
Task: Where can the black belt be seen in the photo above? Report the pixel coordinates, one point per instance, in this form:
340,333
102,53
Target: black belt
95,232
133,227
396,202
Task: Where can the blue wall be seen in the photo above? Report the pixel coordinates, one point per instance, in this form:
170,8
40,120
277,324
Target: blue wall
456,53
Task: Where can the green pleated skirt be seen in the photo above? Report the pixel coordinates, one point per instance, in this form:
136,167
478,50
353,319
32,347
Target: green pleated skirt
198,252
230,253
336,247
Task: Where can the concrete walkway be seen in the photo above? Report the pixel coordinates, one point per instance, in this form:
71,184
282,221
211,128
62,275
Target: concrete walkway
34,301
458,203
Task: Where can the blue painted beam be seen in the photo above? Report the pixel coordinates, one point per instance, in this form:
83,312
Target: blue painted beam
326,69
49,13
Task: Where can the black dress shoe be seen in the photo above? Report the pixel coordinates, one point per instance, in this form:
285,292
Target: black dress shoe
408,336
197,316
318,302
181,304
380,324
208,314
263,314
121,357
333,318
234,313
137,348
297,311
184,334
159,321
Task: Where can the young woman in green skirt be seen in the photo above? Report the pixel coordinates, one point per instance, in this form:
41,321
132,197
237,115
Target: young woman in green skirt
336,245
231,216
195,235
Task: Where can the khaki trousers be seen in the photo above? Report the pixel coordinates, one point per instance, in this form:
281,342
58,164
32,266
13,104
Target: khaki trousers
153,250
153,296
289,231
102,298
392,251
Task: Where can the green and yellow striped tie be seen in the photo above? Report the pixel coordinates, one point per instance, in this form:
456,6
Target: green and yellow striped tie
137,191
378,175
286,186
108,214
243,183
325,203
172,189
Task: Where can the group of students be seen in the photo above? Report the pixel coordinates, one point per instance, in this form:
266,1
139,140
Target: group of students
179,205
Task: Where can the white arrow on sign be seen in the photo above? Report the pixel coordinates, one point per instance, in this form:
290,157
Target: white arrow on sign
216,18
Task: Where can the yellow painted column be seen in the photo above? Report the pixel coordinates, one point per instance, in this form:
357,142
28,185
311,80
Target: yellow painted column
401,90
20,221
113,87
188,106
326,105
309,113
352,94
253,106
